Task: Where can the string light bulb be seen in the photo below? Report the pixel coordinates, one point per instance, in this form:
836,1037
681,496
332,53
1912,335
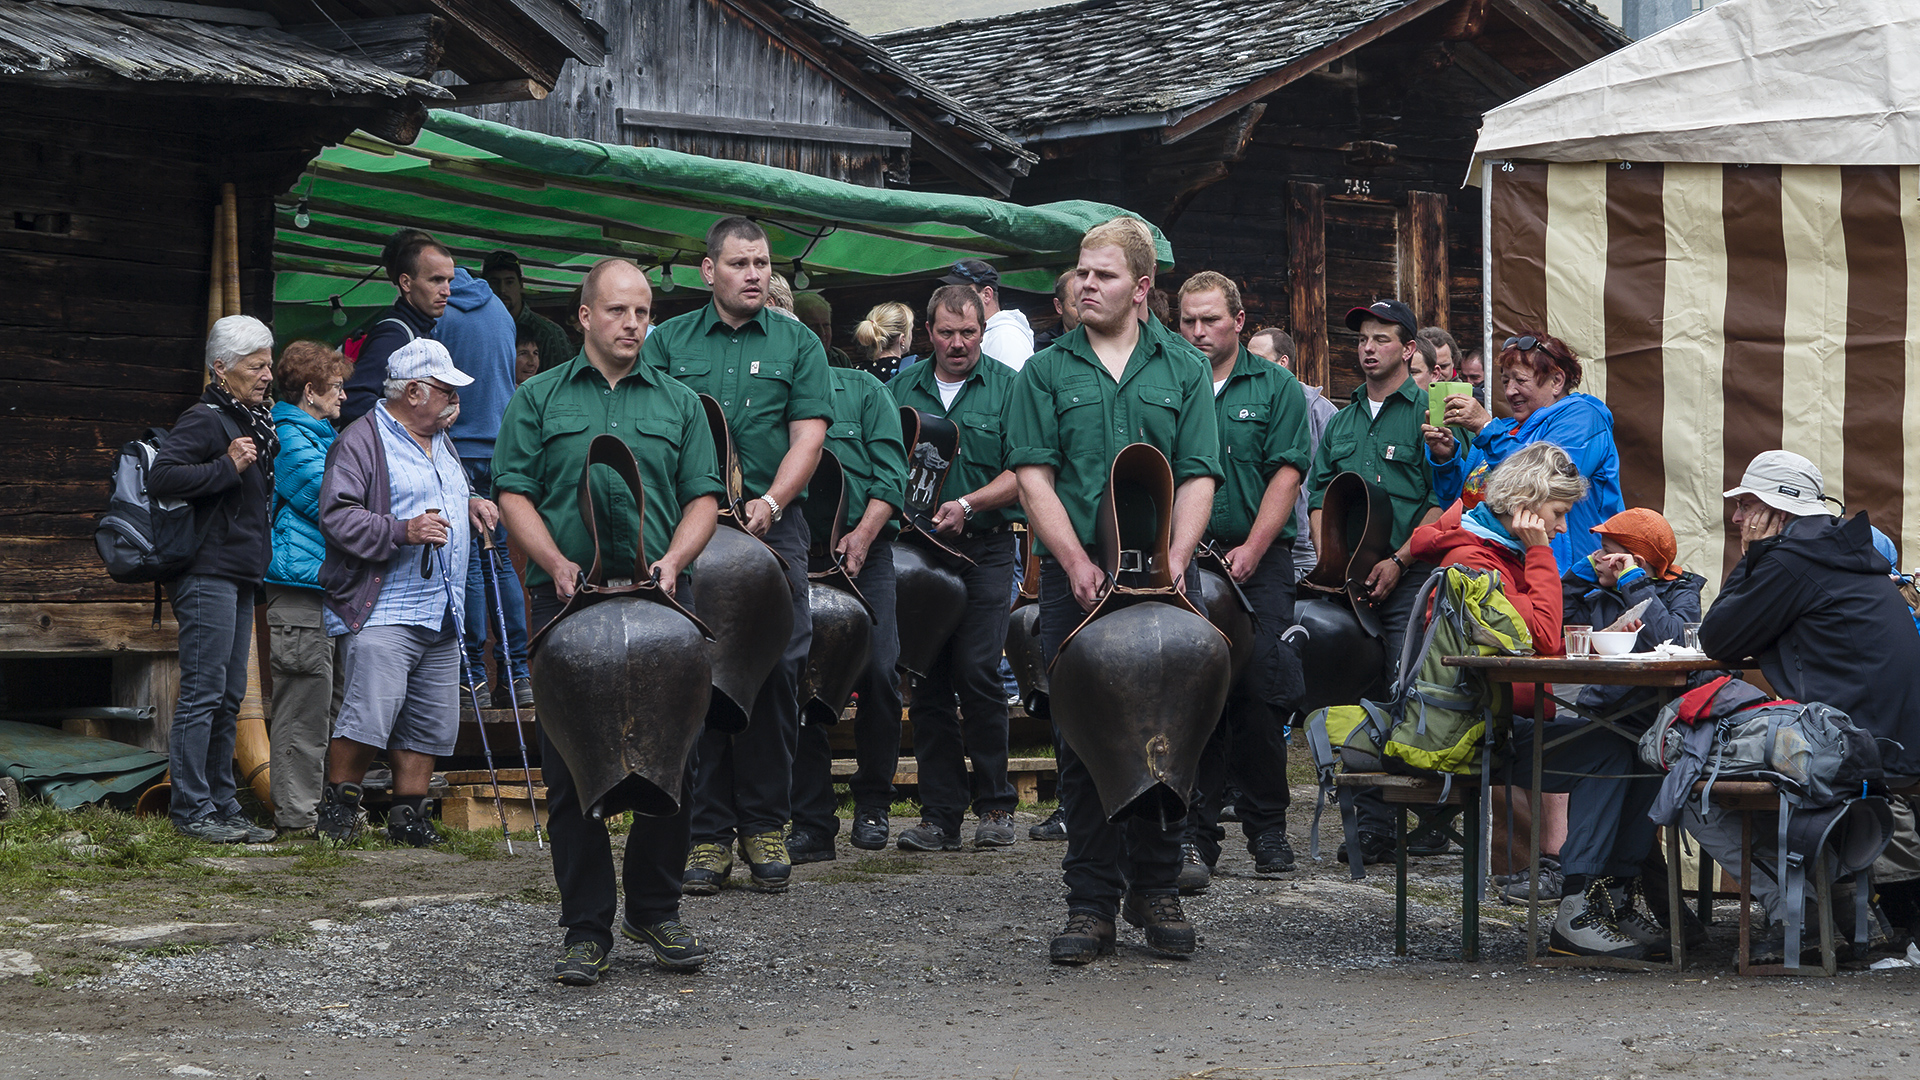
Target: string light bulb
302,219
339,313
800,278
666,275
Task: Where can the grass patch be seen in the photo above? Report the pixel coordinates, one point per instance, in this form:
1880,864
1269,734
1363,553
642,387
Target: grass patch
175,948
889,864
844,876
43,849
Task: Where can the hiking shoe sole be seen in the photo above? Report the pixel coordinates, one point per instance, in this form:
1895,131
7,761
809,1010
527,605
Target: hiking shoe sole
582,964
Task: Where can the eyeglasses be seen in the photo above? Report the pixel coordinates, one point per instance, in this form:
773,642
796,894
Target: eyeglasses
447,390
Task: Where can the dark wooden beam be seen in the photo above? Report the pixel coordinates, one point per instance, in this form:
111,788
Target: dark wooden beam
409,44
494,93
101,80
770,129
225,16
1468,22
1550,29
1307,278
564,23
1423,257
1267,84
1489,72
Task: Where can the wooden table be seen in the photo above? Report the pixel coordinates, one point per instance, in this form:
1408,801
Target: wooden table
1665,677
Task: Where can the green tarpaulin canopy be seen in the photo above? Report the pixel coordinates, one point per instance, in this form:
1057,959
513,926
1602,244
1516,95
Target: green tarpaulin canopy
563,203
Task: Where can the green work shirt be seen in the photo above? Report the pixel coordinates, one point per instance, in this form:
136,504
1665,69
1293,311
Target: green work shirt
864,433
1067,412
1263,426
765,375
542,446
555,349
1386,450
979,411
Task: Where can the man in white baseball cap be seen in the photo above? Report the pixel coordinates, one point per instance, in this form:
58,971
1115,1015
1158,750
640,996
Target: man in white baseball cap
1811,602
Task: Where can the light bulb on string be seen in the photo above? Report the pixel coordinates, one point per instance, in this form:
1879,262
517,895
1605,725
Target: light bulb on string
666,276
339,313
302,219
800,278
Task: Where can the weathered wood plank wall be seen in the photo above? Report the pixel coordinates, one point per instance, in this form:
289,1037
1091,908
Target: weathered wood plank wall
696,58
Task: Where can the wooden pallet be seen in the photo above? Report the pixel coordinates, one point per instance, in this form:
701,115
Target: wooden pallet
469,807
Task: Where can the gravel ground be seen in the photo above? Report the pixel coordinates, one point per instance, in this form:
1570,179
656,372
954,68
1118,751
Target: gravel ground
896,965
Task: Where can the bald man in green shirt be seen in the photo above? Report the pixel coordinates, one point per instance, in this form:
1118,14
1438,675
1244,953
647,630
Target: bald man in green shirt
1112,381
769,374
537,460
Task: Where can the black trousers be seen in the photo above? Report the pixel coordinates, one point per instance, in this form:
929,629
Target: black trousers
1249,746
1102,858
1370,807
876,720
967,668
582,855
743,784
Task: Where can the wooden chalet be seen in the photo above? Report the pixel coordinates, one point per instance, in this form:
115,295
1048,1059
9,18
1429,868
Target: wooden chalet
773,82
125,120
1312,150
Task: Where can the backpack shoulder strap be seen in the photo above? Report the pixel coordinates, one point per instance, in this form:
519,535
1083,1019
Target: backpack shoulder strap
226,422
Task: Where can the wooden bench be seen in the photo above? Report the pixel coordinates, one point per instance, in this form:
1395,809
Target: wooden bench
1747,798
1413,791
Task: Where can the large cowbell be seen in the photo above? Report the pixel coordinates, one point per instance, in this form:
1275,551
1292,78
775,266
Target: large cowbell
741,593
1026,653
621,680
1138,686
843,620
1356,532
1341,661
1228,609
929,595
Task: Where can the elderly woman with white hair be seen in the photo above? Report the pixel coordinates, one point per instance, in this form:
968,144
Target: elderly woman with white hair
220,458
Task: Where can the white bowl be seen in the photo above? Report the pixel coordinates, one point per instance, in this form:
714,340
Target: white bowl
1614,642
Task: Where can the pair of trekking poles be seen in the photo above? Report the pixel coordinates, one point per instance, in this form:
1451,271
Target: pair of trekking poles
491,572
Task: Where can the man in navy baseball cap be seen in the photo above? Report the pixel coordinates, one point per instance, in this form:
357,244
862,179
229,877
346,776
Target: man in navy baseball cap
1389,311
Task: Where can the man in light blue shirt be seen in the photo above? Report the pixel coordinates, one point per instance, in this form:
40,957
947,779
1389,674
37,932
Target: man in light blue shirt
397,515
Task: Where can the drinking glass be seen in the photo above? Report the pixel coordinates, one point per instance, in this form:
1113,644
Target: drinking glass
1579,639
1690,635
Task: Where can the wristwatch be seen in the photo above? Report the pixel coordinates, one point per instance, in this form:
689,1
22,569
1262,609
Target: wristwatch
966,508
772,505
1396,561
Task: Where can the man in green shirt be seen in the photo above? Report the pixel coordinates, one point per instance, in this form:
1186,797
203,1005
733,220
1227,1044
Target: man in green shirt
537,460
1263,449
1112,381
863,433
769,374
975,519
501,272
1378,436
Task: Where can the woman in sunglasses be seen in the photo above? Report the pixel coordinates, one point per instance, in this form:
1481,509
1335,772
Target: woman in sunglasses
1538,374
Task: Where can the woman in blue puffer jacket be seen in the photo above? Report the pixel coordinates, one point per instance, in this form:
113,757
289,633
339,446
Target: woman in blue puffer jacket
306,694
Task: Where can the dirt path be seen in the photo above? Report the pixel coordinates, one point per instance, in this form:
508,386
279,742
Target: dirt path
404,963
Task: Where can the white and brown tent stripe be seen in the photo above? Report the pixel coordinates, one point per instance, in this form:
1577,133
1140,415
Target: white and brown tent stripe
1723,310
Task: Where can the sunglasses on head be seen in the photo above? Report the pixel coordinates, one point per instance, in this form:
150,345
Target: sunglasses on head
961,269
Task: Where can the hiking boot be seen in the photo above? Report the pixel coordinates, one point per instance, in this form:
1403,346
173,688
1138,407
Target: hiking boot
1635,922
1271,852
523,692
1085,937
482,698
767,860
1374,848
707,868
927,836
1692,929
995,830
212,829
809,845
1552,884
582,964
405,825
1585,926
250,833
1426,840
674,946
1547,862
339,814
1159,914
869,831
1195,874
1054,828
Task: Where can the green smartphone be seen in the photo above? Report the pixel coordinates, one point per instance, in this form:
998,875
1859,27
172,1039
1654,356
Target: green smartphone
1437,395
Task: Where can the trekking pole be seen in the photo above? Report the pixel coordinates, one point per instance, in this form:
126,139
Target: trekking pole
480,721
491,571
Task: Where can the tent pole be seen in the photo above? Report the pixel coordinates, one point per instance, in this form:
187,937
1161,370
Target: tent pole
1486,283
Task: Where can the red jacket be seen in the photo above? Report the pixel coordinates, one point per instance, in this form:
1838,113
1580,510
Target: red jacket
1532,585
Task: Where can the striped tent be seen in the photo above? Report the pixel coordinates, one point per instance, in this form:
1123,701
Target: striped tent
1724,219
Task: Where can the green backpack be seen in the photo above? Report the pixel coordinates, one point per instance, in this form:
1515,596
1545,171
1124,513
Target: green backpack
1439,722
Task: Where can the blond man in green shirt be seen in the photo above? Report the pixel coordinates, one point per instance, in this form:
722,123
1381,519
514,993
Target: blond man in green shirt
769,374
1112,381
